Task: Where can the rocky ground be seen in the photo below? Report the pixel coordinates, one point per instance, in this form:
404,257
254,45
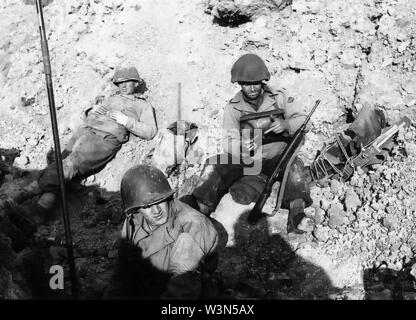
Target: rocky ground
349,54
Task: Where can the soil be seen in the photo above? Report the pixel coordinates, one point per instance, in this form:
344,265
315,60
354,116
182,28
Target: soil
349,54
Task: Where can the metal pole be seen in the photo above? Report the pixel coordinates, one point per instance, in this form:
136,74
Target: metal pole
178,134
179,101
55,131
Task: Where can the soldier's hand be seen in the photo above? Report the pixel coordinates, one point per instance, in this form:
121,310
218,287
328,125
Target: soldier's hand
119,117
278,126
248,145
100,110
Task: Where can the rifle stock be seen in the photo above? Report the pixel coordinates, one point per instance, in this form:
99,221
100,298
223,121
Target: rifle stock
255,213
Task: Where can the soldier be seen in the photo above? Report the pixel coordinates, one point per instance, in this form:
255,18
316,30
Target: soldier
225,172
168,248
96,142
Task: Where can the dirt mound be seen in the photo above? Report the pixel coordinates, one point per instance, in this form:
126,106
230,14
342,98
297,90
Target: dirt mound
349,54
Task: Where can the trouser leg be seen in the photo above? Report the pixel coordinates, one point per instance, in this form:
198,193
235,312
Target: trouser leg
220,172
297,185
89,153
296,196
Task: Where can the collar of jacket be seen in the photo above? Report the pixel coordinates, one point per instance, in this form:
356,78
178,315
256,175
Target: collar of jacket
127,96
240,104
159,238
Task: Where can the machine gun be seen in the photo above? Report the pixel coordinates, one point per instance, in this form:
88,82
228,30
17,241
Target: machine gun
343,166
375,152
287,154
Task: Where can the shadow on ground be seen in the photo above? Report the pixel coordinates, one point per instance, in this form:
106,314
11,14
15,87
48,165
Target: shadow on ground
383,283
264,266
258,266
95,219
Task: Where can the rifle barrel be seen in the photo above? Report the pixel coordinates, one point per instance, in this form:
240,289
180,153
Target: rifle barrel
254,214
55,132
317,102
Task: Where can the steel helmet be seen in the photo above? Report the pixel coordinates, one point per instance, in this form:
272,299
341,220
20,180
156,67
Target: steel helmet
249,68
126,74
143,186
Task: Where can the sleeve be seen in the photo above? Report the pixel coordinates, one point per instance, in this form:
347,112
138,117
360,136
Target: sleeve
97,101
187,256
231,140
145,127
185,259
295,115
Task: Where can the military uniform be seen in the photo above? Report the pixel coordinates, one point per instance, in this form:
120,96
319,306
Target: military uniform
271,99
228,169
243,168
99,138
179,245
141,121
172,259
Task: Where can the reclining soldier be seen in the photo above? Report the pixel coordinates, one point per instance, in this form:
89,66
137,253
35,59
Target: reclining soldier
168,248
279,118
96,142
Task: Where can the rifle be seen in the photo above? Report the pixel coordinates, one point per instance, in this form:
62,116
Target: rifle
263,120
374,152
55,131
343,166
287,153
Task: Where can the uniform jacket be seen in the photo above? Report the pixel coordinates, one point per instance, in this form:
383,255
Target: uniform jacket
179,245
237,106
141,122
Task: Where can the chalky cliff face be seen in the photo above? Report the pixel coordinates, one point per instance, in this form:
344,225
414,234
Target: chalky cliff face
349,54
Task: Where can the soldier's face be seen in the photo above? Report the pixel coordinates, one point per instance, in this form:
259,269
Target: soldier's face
251,90
127,87
157,214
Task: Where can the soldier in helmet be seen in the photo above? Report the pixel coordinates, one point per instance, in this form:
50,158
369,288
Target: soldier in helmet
103,131
174,245
226,171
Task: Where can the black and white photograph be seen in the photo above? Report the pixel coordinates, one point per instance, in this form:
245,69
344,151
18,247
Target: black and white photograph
225,152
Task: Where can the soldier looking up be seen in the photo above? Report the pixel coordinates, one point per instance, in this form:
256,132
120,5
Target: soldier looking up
168,248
